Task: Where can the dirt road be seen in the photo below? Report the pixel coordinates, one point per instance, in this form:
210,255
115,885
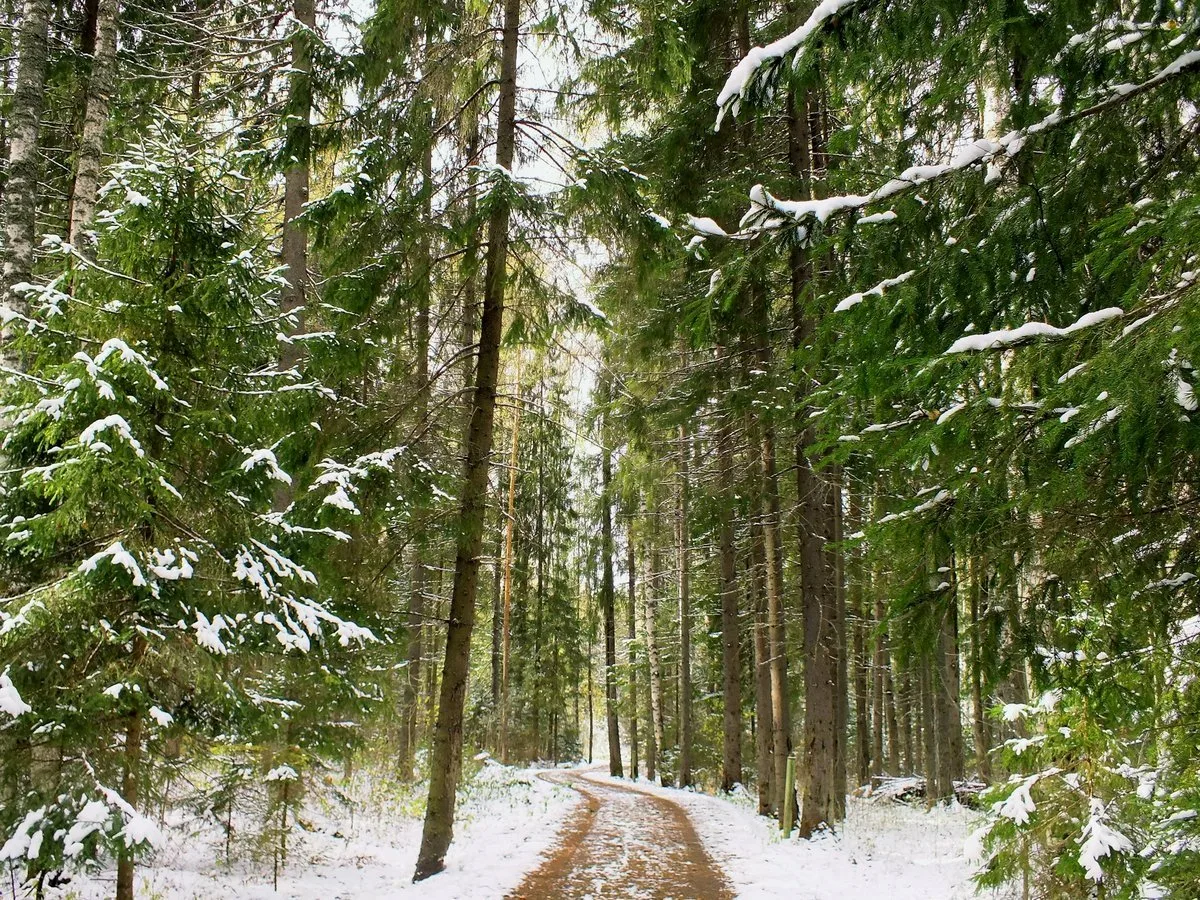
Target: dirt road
624,845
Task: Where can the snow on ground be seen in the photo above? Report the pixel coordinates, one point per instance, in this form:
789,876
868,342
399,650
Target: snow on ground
366,851
886,850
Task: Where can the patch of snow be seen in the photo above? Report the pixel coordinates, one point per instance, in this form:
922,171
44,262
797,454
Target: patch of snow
1007,337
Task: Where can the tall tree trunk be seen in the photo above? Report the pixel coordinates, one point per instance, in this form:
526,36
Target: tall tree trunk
863,738
683,541
89,157
878,671
448,736
781,738
131,778
653,593
929,730
409,735
631,569
298,148
497,626
130,784
947,684
764,738
731,663
900,714
820,806
983,739
607,595
510,524
20,191
841,691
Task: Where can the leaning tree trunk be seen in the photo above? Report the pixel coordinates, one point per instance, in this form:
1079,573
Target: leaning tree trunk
731,663
90,155
446,763
608,597
20,191
683,541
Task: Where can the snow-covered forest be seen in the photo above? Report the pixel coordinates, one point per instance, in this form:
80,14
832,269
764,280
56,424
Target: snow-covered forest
622,448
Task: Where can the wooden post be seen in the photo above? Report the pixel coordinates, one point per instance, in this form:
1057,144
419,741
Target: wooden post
789,798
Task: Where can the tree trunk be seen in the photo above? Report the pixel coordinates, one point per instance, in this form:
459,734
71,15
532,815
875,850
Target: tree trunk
841,692
298,148
131,779
983,739
129,792
510,523
878,670
631,569
658,726
89,157
820,806
409,735
608,598
20,191
497,626
863,738
731,663
776,634
929,730
947,687
764,738
448,737
683,541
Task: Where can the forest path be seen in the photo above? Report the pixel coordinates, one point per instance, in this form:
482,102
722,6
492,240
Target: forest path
624,844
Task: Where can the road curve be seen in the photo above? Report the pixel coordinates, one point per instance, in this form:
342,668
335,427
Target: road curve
624,844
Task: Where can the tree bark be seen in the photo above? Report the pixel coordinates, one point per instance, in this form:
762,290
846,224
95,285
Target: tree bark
446,763
510,524
683,541
21,189
863,738
658,725
298,148
731,663
822,660
947,685
409,731
89,157
983,740
764,738
608,598
929,743
631,569
776,629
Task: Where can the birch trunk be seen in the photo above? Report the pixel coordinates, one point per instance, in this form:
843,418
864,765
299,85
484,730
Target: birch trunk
21,189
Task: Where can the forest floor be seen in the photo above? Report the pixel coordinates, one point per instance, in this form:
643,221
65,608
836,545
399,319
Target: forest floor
538,834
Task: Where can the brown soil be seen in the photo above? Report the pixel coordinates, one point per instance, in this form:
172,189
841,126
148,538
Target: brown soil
624,844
